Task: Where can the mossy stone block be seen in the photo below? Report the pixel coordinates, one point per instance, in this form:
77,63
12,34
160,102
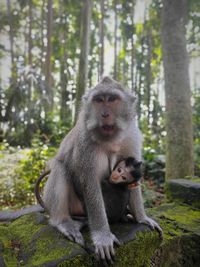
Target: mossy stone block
184,190
30,241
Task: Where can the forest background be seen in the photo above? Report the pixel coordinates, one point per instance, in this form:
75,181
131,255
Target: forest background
51,52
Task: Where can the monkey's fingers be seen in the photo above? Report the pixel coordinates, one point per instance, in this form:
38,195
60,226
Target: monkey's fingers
110,254
105,254
153,225
160,231
78,238
117,242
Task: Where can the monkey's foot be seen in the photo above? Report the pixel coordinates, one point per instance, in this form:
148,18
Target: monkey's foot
153,225
104,245
71,229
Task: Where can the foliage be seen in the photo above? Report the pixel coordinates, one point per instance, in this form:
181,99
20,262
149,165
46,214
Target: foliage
196,119
26,174
26,117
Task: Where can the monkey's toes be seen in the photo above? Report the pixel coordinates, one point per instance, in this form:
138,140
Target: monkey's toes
78,238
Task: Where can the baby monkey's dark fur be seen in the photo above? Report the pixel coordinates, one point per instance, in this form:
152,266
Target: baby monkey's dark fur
116,194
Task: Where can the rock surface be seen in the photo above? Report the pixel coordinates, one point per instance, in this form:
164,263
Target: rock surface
30,241
184,190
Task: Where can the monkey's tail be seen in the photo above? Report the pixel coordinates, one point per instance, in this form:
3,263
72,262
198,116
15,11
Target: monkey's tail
37,188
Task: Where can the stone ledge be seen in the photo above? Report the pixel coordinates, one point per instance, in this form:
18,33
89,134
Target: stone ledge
30,241
184,190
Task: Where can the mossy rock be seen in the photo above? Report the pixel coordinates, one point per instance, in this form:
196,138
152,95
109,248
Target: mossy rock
181,230
30,241
184,190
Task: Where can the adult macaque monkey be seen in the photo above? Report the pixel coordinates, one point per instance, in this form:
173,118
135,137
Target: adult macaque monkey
105,132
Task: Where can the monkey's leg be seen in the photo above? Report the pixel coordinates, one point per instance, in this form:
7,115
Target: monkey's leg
56,199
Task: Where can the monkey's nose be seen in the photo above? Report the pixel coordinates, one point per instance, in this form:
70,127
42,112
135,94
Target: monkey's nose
105,114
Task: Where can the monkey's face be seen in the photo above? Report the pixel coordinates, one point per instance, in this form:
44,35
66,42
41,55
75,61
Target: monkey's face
126,173
107,108
122,174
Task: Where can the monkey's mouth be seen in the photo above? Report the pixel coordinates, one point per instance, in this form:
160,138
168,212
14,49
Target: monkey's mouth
108,129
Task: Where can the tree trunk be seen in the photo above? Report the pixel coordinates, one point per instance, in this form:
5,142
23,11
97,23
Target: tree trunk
132,48
64,96
179,142
115,41
48,76
148,74
85,44
42,36
11,36
30,42
101,32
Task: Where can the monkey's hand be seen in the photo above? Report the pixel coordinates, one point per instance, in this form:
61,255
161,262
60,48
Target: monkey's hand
104,245
153,224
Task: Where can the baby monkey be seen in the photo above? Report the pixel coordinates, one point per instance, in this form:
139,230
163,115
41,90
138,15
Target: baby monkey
115,190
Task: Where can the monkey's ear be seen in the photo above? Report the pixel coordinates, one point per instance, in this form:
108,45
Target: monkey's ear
138,164
85,97
132,98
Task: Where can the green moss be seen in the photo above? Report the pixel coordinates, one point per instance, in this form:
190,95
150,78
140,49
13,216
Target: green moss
138,252
181,193
8,247
29,241
78,261
176,219
24,228
193,179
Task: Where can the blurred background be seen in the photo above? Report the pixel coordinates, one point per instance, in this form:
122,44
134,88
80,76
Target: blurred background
51,52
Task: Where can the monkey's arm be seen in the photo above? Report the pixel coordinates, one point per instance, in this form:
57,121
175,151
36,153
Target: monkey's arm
91,170
137,209
102,237
12,215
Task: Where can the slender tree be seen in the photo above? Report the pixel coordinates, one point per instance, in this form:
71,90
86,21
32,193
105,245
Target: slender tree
101,33
30,41
85,45
42,36
48,75
63,32
11,36
148,72
115,38
132,47
179,161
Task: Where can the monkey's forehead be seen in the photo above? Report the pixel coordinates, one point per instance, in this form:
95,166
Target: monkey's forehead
102,90
107,90
108,86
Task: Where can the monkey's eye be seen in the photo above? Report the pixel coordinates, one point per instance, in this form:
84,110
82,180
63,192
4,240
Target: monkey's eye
119,170
123,178
98,99
112,98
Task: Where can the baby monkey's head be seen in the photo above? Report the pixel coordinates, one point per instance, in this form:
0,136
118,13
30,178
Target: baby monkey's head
127,171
